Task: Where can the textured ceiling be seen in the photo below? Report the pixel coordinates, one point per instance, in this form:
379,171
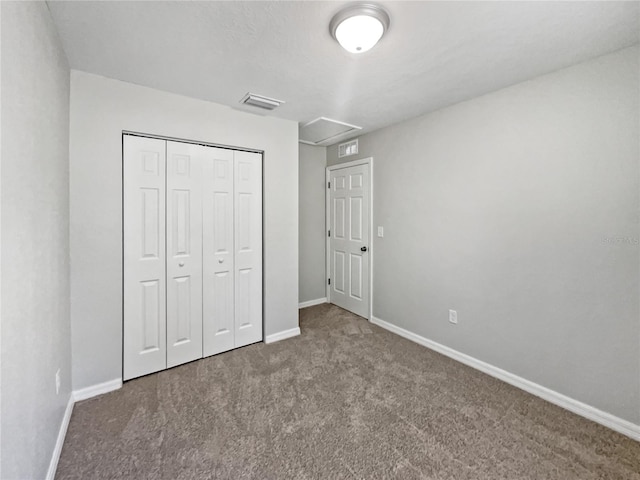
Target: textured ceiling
434,54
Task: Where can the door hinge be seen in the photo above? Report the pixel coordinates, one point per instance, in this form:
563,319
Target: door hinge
329,233
329,281
328,184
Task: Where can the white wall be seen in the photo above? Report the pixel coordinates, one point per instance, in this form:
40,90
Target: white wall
101,109
520,209
312,223
36,338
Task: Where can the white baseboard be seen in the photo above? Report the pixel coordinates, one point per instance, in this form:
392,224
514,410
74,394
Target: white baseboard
74,397
95,390
57,449
311,303
276,337
587,411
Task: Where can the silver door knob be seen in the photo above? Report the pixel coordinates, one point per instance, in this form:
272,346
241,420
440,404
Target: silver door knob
220,260
181,264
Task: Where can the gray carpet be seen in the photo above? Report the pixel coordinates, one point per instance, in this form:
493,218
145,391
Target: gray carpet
345,399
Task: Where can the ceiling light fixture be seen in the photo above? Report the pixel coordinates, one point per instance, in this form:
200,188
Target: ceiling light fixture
358,27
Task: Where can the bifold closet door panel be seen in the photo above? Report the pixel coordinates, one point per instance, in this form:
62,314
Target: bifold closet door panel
217,251
184,252
144,342
248,247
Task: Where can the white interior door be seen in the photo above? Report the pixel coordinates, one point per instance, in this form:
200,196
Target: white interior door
218,248
184,252
349,238
144,256
248,247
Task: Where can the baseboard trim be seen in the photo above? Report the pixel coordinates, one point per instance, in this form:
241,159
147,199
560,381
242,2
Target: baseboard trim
57,449
618,424
311,303
276,337
95,390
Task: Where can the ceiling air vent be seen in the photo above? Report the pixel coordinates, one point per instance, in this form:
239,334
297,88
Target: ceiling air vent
348,148
260,101
323,131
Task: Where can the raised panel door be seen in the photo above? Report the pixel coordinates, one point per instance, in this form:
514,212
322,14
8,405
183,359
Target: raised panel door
248,247
218,249
349,241
184,252
144,335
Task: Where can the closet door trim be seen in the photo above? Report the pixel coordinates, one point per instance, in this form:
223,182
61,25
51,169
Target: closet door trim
132,133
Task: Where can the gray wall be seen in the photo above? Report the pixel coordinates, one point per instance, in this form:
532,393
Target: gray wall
35,239
101,109
312,223
519,209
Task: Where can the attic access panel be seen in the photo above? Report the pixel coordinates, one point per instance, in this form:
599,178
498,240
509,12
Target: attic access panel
323,129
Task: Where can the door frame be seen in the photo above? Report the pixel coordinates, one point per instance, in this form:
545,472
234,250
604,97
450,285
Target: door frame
327,209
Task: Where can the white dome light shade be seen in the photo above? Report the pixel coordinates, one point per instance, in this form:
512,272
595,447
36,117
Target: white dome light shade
358,34
359,26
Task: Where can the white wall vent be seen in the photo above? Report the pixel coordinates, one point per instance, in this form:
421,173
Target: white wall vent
260,101
348,148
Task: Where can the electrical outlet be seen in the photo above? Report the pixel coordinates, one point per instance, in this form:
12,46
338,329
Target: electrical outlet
453,316
58,382
380,232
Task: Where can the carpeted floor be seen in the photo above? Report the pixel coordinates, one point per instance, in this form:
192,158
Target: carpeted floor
345,399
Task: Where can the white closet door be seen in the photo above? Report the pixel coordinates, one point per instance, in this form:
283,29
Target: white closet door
184,252
217,250
248,247
144,256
